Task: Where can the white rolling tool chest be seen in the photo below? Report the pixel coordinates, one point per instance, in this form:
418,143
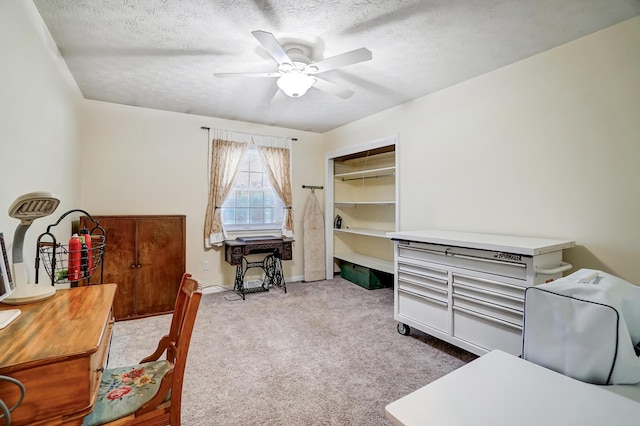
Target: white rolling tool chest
468,289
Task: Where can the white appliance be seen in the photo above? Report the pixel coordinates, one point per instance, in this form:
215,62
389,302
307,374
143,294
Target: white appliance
28,208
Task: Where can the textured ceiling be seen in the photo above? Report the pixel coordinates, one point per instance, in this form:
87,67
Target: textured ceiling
162,54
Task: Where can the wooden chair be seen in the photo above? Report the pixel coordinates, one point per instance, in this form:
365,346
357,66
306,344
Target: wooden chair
150,393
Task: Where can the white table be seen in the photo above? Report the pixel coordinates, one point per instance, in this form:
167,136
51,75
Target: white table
501,389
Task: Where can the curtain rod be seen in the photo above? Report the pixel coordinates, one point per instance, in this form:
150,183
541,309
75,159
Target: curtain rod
248,134
312,187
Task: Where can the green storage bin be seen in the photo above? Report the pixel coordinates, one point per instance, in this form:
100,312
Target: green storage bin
365,277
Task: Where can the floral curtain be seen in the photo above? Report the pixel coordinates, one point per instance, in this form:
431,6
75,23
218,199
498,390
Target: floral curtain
277,162
225,159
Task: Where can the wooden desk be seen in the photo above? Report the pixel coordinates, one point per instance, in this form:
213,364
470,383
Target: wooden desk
500,389
57,348
277,250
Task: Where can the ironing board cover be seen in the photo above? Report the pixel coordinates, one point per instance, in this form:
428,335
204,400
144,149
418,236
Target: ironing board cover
314,249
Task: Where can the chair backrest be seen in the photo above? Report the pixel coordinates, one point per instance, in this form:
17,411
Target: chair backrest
176,346
184,319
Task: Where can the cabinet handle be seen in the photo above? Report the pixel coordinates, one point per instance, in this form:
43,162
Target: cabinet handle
139,265
563,267
133,266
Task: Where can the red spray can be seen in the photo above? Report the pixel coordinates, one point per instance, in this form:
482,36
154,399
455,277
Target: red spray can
88,262
75,254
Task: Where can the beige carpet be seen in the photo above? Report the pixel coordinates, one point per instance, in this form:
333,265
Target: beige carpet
325,353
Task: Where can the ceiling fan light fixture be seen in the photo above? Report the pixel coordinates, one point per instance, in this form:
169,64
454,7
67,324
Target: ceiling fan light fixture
295,84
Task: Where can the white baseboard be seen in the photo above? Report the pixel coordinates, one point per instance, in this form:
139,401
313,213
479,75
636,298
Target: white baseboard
216,289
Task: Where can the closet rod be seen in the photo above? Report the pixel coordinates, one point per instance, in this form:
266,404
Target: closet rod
312,187
368,177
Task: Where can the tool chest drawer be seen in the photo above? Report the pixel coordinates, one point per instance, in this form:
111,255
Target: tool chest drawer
424,252
487,286
425,310
486,332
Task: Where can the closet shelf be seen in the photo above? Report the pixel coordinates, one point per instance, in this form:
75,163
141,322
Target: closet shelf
371,173
367,261
364,231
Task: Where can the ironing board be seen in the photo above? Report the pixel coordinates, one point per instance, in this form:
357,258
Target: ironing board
314,249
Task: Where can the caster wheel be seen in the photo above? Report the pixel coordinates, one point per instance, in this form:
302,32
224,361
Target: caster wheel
404,329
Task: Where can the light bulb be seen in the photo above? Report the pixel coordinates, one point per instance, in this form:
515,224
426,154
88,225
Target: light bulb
295,84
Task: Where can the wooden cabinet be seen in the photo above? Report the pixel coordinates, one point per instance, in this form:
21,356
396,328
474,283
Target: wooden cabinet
362,191
145,256
468,289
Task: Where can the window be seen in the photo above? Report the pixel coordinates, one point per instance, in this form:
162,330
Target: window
252,204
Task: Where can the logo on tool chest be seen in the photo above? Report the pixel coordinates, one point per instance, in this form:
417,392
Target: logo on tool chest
507,256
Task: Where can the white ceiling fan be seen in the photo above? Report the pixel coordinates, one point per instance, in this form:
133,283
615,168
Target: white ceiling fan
296,73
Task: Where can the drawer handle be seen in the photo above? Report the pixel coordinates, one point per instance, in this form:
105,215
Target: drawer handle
487,292
419,264
481,259
440,253
488,318
419,284
484,280
437,302
487,304
563,267
414,275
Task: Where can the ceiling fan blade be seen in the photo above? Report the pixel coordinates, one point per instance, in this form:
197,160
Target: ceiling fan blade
344,59
271,44
245,74
332,88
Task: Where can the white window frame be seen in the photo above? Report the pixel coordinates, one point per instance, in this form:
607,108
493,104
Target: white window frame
278,211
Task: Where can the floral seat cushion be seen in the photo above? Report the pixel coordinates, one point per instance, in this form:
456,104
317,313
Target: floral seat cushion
123,390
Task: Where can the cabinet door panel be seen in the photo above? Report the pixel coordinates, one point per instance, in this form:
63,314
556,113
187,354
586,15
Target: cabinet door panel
120,263
161,256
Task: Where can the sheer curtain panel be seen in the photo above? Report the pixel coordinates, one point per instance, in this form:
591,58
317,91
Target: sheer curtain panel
225,158
277,162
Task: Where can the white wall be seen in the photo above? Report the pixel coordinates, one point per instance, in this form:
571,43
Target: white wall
548,147
144,161
39,109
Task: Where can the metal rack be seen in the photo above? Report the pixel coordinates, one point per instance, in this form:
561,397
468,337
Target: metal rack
55,256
